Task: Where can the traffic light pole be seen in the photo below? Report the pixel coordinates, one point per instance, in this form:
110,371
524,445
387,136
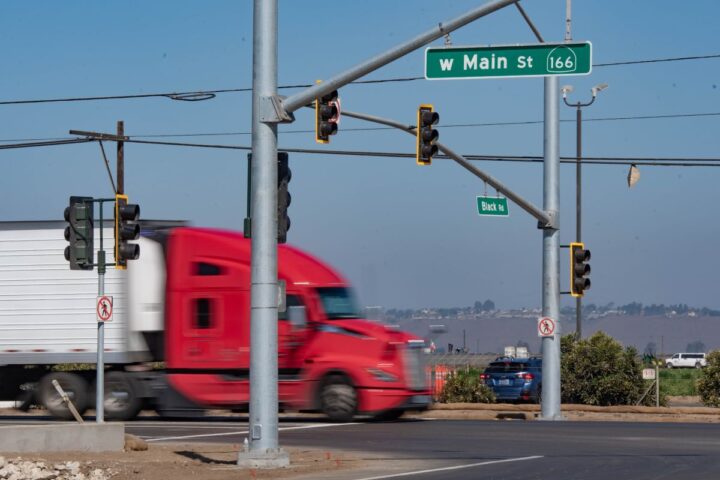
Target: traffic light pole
550,406
100,367
268,109
308,95
263,450
551,390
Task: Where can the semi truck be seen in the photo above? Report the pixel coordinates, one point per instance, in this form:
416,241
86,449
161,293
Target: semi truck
178,340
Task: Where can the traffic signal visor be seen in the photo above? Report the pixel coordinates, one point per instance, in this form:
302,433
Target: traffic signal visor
579,269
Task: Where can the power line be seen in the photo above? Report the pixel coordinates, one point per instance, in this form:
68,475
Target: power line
657,60
199,95
369,129
649,161
67,141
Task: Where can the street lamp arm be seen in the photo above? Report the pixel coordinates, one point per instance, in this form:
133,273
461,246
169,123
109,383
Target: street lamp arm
578,104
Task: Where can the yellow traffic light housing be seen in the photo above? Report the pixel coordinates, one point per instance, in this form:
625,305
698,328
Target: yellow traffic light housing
127,216
579,269
327,115
425,134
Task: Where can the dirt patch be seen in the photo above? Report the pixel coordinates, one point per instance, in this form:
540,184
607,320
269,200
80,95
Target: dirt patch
195,461
684,401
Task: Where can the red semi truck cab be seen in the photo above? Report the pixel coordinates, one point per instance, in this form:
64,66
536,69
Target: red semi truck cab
329,358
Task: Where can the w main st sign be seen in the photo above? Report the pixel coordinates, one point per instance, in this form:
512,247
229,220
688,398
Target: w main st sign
539,60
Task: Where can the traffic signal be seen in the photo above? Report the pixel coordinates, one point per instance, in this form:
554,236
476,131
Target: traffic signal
283,196
426,135
327,116
79,232
579,269
127,228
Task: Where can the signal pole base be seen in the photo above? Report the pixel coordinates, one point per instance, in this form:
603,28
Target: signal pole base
265,459
553,418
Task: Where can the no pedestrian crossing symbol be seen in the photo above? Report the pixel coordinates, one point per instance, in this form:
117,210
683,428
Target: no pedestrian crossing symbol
536,60
546,327
104,308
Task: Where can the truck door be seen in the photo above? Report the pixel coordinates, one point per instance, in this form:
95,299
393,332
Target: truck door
203,328
290,337
216,330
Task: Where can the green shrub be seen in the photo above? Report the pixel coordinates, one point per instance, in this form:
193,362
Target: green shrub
599,371
465,386
709,383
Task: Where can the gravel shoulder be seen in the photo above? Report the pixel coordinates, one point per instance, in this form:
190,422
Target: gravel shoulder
181,461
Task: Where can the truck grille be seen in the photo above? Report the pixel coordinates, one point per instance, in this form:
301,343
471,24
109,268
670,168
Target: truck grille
415,367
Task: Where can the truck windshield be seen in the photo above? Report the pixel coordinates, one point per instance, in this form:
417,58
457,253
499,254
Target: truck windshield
338,302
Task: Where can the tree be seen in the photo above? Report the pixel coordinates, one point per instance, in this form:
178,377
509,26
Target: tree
696,346
651,349
633,308
488,305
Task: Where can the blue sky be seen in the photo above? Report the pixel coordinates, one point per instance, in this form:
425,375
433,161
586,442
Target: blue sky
404,235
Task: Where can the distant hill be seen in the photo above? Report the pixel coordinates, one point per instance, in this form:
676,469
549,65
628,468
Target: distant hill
491,332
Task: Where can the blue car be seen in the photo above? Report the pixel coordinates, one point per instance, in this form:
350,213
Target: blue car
515,379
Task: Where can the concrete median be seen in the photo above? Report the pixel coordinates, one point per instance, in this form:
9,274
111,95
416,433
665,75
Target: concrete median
87,437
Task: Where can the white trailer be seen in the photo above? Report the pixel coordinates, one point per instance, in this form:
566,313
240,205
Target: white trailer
47,311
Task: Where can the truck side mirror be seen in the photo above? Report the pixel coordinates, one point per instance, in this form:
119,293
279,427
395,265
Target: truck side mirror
297,316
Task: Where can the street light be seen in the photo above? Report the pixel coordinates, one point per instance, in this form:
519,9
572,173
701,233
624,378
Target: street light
566,90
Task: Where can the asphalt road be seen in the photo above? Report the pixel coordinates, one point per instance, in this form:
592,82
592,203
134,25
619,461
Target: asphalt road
442,449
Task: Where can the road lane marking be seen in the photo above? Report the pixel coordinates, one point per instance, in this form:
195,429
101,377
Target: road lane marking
455,467
242,432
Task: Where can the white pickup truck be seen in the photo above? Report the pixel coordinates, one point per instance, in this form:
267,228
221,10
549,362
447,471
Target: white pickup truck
689,360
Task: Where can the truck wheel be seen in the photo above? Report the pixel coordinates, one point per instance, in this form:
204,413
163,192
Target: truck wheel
121,401
75,387
698,365
669,365
338,399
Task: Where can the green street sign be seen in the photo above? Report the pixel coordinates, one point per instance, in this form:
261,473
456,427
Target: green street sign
539,60
493,206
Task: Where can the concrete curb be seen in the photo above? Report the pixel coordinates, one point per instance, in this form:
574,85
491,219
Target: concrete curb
506,407
86,437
